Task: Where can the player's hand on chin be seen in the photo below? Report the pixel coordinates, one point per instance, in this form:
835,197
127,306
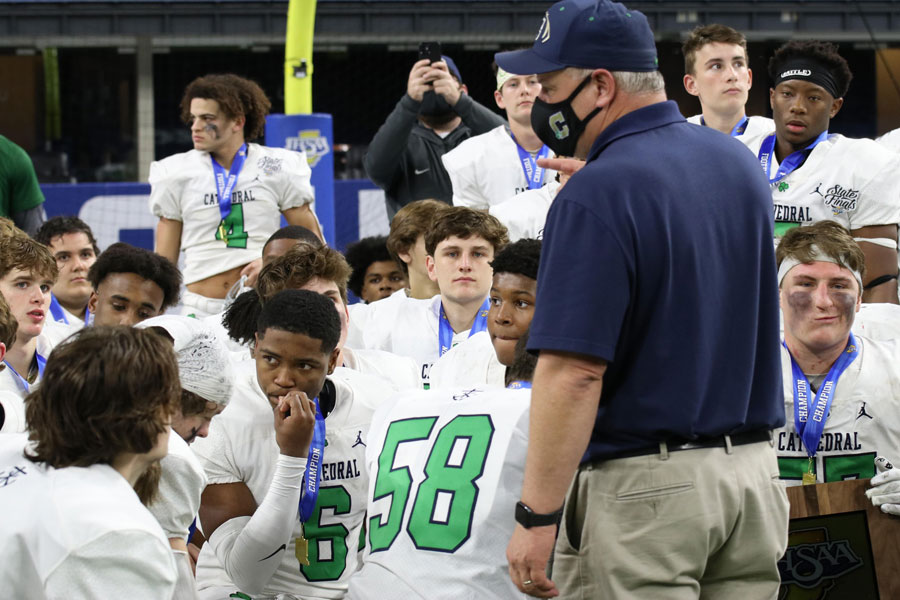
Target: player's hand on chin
885,490
528,553
295,421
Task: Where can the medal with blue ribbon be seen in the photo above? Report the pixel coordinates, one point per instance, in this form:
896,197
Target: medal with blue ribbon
225,184
445,331
309,492
810,421
791,161
22,381
533,173
519,385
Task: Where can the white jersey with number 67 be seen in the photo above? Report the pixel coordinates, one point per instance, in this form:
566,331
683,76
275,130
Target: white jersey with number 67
445,471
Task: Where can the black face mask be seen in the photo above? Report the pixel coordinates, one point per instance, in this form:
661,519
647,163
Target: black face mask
434,105
557,125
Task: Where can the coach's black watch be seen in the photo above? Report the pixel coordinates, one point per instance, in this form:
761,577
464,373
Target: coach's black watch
527,518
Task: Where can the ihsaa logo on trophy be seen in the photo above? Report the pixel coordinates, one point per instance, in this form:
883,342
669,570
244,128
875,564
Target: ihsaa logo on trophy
828,557
312,142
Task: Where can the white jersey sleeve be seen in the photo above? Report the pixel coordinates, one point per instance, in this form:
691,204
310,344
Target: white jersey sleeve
12,403
401,371
180,486
127,564
446,470
864,420
878,321
485,169
890,140
525,214
472,362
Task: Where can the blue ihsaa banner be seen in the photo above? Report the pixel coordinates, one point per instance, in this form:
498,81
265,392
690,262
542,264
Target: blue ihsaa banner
312,134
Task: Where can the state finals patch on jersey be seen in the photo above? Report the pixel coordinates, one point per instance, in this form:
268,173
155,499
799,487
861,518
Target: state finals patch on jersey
835,199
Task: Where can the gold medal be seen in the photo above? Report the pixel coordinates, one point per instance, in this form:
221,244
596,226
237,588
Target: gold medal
809,478
301,550
222,233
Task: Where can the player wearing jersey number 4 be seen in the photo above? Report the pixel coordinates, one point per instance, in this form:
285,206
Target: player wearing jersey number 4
841,391
445,468
285,462
816,175
222,200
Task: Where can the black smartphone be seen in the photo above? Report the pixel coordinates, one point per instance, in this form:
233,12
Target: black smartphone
430,50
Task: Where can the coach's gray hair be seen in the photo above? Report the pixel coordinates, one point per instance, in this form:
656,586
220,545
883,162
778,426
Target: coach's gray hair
629,82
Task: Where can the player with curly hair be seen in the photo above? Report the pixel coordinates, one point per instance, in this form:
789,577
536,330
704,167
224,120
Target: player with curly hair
222,200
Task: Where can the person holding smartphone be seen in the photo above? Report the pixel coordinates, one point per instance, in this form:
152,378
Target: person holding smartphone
434,116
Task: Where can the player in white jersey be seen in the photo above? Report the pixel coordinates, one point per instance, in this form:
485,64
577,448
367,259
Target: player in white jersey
460,246
253,506
27,273
325,271
716,70
842,391
483,358
815,175
891,140
493,167
71,525
220,201
443,522
375,274
73,246
130,285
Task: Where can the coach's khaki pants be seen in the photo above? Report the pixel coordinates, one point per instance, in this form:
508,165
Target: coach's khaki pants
697,524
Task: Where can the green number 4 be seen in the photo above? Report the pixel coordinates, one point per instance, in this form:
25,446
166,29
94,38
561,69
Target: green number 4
441,514
233,227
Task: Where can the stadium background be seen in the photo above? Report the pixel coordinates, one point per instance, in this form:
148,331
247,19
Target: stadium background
91,90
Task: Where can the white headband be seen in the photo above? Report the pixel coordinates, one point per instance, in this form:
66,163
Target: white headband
817,256
203,364
503,77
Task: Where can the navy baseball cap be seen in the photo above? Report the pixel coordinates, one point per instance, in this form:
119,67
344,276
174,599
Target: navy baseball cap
451,66
590,34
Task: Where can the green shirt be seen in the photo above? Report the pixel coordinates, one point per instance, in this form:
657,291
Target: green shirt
19,190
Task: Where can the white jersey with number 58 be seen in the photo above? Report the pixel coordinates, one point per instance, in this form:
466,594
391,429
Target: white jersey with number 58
445,471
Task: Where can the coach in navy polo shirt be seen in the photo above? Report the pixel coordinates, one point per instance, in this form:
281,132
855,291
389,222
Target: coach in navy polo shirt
658,380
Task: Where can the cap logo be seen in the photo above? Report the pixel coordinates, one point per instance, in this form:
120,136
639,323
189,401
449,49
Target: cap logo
543,33
558,125
795,72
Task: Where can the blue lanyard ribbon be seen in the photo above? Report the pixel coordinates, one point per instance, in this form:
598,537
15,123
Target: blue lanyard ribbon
445,332
56,310
225,181
519,385
810,429
737,130
41,363
791,162
533,173
309,493
59,314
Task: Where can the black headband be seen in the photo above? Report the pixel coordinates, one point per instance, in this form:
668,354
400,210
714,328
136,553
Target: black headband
810,70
